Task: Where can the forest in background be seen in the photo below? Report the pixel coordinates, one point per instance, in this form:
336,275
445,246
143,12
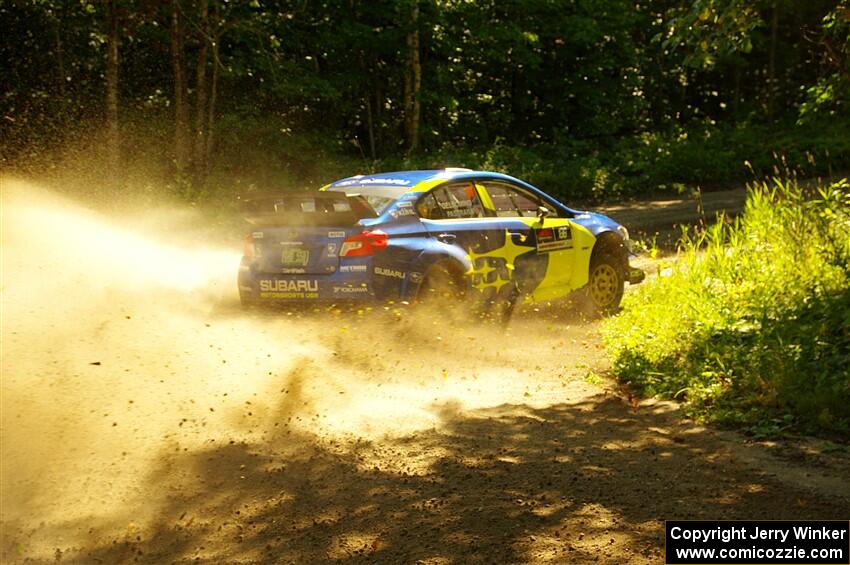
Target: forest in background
589,99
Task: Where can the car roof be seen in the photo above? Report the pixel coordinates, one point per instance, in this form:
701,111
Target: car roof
413,179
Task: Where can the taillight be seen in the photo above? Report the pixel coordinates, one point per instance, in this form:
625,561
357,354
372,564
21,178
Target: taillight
248,247
363,244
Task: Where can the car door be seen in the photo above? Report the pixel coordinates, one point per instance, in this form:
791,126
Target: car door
454,216
548,271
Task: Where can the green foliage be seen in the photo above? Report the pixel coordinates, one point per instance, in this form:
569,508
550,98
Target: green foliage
830,95
654,163
708,30
752,326
589,99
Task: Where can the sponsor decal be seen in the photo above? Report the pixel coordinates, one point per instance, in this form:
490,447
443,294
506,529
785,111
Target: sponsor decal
293,271
336,234
487,269
367,181
291,242
415,277
398,213
405,204
553,239
331,248
385,272
353,269
289,295
257,235
295,285
457,208
350,290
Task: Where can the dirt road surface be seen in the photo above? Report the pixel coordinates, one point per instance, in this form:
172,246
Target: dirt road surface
146,418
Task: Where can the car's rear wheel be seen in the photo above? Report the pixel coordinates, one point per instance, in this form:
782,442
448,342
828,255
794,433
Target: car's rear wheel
502,307
441,285
246,302
446,289
605,285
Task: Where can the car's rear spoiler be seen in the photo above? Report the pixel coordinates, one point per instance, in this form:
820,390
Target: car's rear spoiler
313,208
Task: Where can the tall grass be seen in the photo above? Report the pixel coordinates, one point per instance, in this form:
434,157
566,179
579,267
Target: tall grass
752,327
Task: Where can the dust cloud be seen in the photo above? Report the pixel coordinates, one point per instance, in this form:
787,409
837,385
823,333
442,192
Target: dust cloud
124,348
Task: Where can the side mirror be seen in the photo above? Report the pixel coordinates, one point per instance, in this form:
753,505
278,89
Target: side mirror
543,212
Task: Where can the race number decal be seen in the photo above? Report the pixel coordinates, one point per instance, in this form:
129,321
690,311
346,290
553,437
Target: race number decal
553,239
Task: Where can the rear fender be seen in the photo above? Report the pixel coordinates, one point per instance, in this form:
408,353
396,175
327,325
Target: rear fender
436,252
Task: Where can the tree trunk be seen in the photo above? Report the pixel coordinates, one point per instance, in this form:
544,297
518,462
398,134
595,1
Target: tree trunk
771,65
208,147
412,83
370,126
113,138
60,52
518,115
181,108
199,165
736,101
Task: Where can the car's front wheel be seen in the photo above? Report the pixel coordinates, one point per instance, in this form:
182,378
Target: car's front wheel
605,284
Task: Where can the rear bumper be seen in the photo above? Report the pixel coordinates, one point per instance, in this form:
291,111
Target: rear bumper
358,283
265,287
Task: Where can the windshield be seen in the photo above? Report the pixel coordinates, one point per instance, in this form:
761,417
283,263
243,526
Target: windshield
378,197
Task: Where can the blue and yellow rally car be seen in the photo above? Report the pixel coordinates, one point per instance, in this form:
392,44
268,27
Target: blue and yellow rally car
416,235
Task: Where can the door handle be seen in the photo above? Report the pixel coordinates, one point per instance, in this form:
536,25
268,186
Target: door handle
447,237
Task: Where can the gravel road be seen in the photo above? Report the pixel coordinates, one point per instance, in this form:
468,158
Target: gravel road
146,418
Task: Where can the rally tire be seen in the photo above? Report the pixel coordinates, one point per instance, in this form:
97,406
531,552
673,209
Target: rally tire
505,306
605,284
247,302
441,285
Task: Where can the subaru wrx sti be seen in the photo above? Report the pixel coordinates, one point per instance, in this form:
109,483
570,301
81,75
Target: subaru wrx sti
415,235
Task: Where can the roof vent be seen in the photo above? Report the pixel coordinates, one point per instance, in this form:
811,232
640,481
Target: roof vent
457,170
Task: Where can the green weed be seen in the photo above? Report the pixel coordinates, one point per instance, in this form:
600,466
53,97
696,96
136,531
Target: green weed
752,325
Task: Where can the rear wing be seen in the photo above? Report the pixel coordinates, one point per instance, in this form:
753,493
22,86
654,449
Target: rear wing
314,208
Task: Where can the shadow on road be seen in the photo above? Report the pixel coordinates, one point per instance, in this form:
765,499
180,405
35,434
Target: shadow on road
570,482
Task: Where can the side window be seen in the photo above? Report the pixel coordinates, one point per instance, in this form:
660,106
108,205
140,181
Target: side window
428,209
456,200
512,201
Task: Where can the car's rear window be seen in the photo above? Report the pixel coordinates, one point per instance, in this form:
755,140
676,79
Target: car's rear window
378,197
299,209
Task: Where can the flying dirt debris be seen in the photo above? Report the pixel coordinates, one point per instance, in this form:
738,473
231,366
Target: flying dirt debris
147,417
124,347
